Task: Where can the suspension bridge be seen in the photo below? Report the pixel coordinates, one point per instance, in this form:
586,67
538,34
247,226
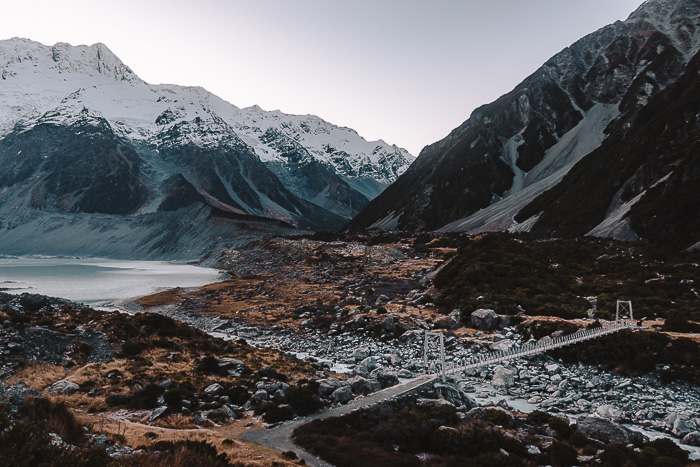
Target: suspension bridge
530,349
280,437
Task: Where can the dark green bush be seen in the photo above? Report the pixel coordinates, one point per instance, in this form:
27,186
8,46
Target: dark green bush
173,398
562,454
133,348
274,413
146,398
498,417
208,365
303,398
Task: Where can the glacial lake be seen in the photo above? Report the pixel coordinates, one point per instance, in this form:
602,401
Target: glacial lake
97,281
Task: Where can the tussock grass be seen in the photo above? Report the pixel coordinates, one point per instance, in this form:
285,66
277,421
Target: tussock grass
38,376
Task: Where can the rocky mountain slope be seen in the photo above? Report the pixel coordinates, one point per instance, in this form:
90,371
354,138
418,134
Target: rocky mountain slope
81,133
482,175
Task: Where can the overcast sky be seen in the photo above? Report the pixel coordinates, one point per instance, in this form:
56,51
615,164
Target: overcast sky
405,71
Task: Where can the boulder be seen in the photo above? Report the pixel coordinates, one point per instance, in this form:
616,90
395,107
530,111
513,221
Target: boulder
454,395
328,385
360,353
433,403
678,424
227,363
360,370
692,438
370,363
388,325
444,322
395,358
342,395
533,450
277,396
213,389
167,384
609,412
602,429
259,397
381,300
477,413
355,323
385,378
358,384
63,387
484,320
504,376
158,413
502,345
456,316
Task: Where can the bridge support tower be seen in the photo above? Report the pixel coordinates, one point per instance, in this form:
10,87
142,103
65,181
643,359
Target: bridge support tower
624,306
440,339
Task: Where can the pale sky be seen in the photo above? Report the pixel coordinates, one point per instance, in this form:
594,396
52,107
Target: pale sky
405,71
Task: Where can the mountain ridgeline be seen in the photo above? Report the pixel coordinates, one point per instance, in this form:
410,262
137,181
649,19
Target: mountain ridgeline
601,140
89,150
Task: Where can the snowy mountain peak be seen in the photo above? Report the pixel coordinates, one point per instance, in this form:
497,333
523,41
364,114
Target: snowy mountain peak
90,60
296,168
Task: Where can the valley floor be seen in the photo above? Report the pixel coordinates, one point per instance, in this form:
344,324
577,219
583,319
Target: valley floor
214,363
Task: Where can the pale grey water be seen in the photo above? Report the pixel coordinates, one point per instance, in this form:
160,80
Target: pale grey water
94,281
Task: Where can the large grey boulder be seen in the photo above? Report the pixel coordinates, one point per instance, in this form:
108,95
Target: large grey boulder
692,438
355,323
370,363
359,385
484,320
453,394
388,325
259,397
609,412
504,376
678,424
63,387
386,379
360,353
327,386
342,395
602,429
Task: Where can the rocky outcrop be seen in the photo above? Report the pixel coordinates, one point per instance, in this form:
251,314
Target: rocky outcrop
63,387
504,376
606,430
484,320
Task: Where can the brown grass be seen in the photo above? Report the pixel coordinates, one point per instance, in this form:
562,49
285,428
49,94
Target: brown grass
38,376
167,297
228,439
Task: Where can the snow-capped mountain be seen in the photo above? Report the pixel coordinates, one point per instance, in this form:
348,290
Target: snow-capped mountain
42,84
485,173
80,132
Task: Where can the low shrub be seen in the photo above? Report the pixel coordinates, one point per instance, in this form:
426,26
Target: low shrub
303,398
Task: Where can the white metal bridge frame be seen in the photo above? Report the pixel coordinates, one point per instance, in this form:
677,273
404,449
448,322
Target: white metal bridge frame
543,345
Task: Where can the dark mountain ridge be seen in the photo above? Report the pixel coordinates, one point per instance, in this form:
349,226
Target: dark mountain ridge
511,151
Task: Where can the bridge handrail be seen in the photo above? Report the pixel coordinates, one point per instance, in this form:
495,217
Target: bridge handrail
533,349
